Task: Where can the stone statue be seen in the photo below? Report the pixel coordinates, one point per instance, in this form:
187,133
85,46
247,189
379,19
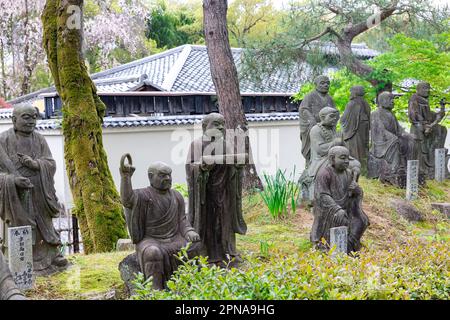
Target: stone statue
215,192
309,112
157,222
391,146
323,136
338,202
425,126
8,289
356,126
27,191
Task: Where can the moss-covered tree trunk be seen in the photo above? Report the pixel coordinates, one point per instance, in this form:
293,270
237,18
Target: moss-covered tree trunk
97,203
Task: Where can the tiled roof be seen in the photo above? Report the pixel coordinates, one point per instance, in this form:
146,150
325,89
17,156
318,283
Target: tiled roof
186,69
5,113
136,122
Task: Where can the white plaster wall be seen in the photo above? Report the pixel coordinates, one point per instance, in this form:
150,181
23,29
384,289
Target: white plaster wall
274,145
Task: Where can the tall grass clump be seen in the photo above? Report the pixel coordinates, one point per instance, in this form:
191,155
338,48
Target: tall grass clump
280,193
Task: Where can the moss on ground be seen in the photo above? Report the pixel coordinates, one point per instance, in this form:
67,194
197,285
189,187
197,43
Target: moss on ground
99,273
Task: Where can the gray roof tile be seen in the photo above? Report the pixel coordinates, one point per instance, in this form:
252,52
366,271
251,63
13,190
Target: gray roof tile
195,76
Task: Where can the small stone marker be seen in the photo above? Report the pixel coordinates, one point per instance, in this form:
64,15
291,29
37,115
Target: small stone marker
412,180
440,169
20,254
338,238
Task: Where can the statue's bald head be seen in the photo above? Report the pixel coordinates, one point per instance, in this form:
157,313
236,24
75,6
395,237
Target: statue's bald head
24,108
339,157
25,118
329,116
160,176
423,89
386,100
322,84
357,91
158,167
213,124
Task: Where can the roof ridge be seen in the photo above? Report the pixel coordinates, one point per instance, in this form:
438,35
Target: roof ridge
137,62
172,76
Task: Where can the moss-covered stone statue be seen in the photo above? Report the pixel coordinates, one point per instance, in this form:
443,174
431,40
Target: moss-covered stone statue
337,202
356,126
157,222
323,136
8,289
309,110
215,192
27,192
391,146
429,134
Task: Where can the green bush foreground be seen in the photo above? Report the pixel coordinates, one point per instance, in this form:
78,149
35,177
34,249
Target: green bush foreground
414,270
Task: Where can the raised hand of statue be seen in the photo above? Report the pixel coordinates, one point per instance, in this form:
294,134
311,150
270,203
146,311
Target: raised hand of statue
126,169
427,129
23,183
192,236
28,162
340,218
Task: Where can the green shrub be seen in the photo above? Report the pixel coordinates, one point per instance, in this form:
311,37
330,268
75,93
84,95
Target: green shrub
414,270
279,193
181,188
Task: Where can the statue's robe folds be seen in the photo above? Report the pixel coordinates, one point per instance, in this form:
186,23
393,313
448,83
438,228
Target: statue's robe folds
215,204
332,194
309,116
420,115
322,140
8,288
356,129
36,207
391,146
157,221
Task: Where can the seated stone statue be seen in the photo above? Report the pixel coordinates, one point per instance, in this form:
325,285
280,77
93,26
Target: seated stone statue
8,289
338,202
391,146
27,191
309,110
157,222
430,135
323,136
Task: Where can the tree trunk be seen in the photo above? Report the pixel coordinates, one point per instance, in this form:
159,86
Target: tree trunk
97,202
27,65
2,58
225,77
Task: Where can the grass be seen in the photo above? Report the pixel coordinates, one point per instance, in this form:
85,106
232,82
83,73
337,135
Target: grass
273,240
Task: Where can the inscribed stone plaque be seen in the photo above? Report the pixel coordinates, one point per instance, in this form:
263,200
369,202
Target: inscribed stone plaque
412,180
338,238
440,165
20,256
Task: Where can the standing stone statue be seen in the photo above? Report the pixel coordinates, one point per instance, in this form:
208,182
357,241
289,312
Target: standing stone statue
391,146
425,127
338,202
309,112
323,136
356,126
8,289
215,193
157,222
27,192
